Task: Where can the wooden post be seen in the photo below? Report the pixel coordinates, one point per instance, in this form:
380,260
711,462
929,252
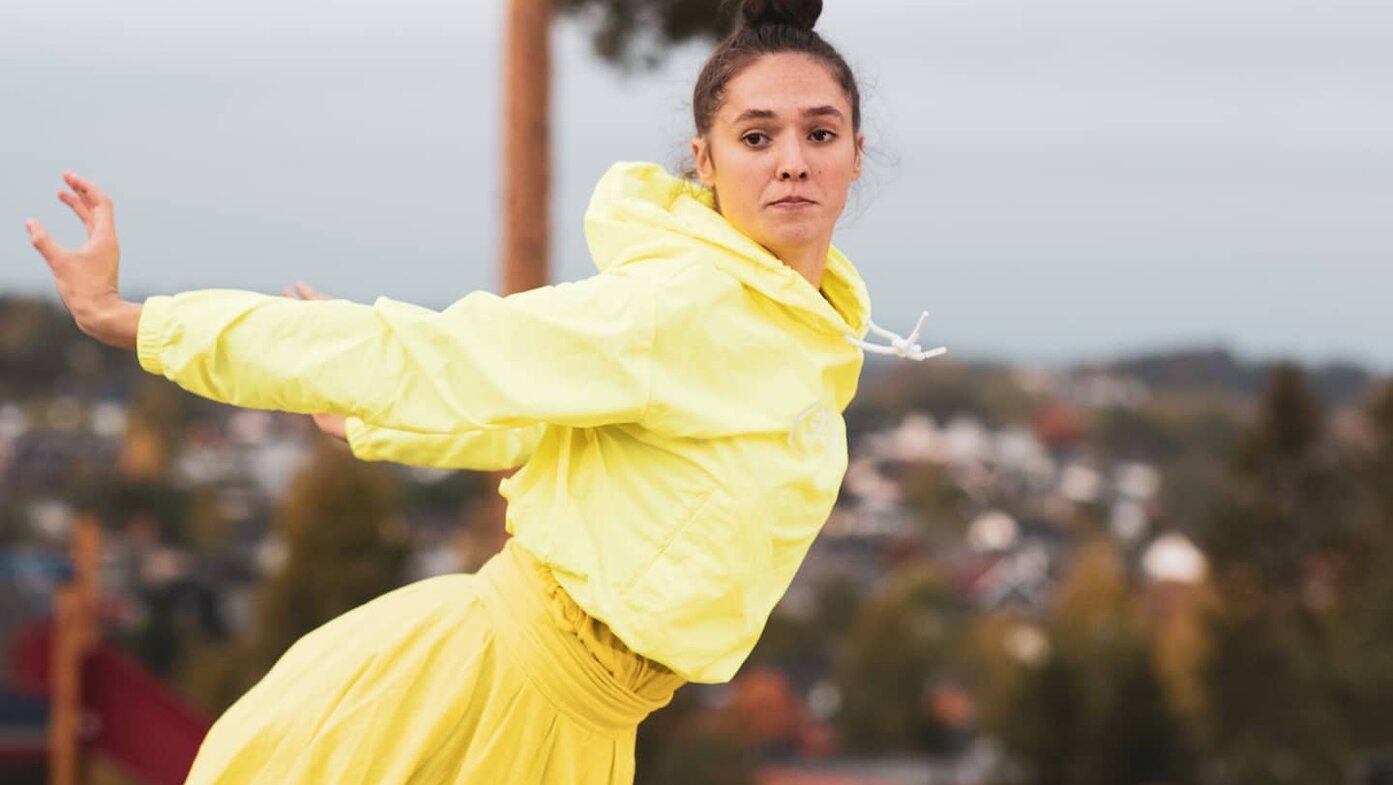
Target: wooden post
87,554
525,247
65,699
75,632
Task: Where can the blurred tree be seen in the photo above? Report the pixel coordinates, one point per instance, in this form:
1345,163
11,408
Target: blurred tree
1141,740
838,606
638,33
1189,435
930,491
764,711
995,664
1189,491
884,675
1284,500
1181,649
785,640
42,353
1364,633
1283,518
1128,433
159,643
660,730
159,408
1043,733
680,745
1084,705
1002,399
706,757
947,390
343,547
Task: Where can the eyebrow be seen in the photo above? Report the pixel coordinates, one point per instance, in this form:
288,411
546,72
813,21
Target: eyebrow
765,114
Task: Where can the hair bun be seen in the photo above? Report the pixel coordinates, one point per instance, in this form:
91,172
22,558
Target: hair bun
793,13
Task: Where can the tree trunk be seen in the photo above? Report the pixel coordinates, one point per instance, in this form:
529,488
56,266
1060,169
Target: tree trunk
526,146
525,247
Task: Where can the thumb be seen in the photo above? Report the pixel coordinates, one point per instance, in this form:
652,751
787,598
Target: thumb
38,235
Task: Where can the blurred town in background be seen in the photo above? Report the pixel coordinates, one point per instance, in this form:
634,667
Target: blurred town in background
1175,568
1158,570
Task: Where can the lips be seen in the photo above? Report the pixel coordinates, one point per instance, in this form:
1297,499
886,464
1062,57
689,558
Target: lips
794,200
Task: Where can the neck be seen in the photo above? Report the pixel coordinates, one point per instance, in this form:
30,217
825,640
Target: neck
809,261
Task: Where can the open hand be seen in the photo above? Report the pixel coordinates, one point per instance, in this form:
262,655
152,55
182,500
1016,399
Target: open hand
87,277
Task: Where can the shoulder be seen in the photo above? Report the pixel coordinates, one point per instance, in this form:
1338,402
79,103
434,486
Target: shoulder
682,285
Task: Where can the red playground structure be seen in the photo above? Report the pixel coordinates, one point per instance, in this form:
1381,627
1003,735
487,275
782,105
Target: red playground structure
67,696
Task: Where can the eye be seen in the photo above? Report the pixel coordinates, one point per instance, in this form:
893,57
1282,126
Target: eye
827,135
747,137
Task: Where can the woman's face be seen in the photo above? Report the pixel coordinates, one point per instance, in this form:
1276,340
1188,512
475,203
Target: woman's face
784,130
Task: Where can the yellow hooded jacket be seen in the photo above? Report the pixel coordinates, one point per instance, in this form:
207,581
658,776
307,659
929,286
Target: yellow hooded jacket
679,413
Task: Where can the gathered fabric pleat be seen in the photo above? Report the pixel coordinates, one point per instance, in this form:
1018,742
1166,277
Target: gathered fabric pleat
491,677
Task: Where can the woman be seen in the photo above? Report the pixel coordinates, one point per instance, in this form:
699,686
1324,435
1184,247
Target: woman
678,414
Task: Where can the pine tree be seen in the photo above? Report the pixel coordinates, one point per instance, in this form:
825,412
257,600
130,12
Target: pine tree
1363,661
344,546
633,33
899,642
1090,708
1284,519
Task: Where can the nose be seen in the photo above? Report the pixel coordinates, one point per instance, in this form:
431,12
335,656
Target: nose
793,171
792,166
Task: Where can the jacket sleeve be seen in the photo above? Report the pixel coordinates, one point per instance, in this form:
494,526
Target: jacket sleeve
494,449
575,354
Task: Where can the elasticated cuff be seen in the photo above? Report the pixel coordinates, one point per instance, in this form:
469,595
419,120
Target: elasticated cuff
151,331
359,437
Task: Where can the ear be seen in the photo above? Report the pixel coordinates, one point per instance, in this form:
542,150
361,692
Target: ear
701,153
860,150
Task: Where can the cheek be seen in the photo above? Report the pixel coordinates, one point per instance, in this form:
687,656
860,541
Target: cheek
837,168
836,178
744,190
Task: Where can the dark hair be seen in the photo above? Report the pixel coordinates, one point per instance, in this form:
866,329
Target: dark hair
767,27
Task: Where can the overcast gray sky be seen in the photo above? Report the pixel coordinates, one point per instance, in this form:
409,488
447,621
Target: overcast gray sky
1052,179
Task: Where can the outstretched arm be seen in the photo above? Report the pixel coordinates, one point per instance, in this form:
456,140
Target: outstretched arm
576,354
494,449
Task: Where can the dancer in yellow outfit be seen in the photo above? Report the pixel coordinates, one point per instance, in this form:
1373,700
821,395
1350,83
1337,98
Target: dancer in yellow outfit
677,417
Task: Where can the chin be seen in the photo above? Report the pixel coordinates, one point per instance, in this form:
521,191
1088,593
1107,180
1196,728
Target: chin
798,235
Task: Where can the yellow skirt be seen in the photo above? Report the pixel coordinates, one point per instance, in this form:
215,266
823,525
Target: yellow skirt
492,677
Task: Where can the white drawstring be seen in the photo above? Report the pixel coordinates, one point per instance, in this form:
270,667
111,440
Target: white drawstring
899,346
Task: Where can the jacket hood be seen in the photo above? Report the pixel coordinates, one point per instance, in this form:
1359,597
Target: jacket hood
639,211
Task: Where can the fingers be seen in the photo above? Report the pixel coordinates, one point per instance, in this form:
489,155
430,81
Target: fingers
304,291
103,220
333,424
72,200
43,243
90,194
308,293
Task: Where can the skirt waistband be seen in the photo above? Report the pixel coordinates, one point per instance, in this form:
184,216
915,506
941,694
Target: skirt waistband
571,657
